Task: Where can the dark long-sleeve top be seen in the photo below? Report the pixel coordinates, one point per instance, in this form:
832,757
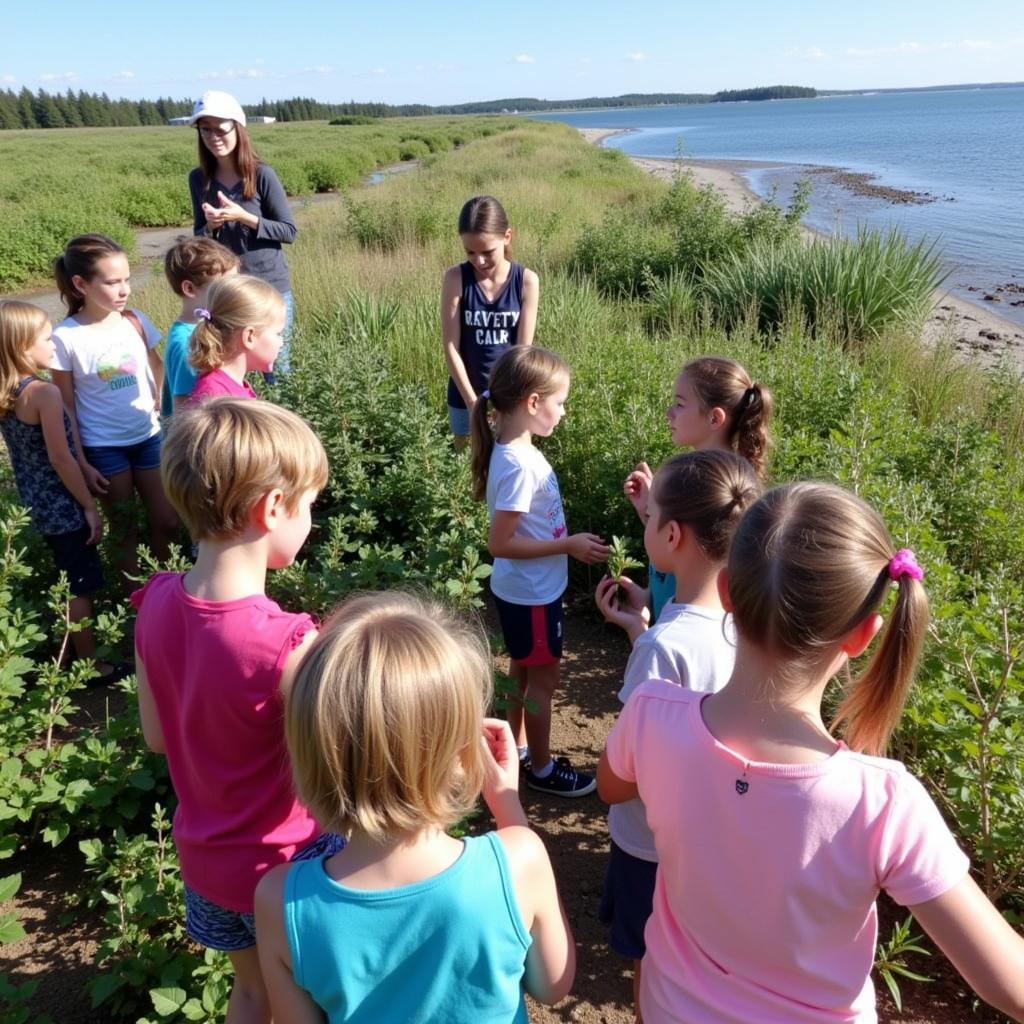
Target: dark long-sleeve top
258,249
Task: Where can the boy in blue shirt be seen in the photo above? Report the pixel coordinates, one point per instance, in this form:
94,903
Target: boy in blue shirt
191,267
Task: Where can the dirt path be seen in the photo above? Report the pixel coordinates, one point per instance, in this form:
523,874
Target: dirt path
152,243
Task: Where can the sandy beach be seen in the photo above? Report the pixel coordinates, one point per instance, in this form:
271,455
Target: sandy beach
974,329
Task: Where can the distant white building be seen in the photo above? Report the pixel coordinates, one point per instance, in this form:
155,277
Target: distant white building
261,119
179,120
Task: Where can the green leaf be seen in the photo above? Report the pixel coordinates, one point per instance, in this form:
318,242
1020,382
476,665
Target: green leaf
104,987
167,1000
9,885
894,990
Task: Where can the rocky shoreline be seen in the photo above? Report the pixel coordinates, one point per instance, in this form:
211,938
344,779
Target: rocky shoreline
974,328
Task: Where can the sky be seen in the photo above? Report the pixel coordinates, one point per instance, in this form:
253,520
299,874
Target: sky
423,51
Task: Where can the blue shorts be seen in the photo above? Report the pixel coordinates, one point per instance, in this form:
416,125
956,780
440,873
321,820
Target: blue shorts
79,560
113,459
229,931
533,632
627,901
458,420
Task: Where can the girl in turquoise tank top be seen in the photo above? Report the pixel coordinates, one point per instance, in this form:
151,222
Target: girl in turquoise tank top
389,744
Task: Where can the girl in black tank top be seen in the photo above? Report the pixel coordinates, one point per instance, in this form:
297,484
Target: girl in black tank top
488,304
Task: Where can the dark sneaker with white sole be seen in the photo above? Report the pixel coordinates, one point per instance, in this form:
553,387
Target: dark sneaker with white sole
563,780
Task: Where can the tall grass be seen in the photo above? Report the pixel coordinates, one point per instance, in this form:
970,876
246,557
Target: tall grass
864,286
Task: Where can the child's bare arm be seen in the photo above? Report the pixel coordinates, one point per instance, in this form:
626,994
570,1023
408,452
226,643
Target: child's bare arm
148,717
65,382
528,313
288,1002
294,660
610,788
502,542
451,296
980,944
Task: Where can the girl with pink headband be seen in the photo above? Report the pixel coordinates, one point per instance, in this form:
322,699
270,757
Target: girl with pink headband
776,844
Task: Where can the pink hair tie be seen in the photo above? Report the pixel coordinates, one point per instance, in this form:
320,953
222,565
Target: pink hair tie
903,563
204,314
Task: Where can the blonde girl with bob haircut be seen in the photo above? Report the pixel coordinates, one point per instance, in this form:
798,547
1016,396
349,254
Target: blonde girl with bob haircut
215,658
389,745
715,405
530,544
790,832
240,330
37,430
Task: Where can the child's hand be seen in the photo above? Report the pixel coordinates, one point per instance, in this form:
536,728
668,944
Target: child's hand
95,524
622,602
587,548
501,773
94,479
637,487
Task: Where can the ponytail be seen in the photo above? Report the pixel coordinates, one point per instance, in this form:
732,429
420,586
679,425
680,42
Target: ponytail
873,703
723,383
79,259
482,442
749,429
521,371
809,563
207,347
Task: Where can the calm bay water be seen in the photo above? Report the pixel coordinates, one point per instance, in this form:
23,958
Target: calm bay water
965,147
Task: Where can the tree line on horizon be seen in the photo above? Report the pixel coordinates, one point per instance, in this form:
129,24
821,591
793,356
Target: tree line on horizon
27,109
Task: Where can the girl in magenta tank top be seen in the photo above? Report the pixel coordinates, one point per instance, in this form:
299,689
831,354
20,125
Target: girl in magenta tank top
488,304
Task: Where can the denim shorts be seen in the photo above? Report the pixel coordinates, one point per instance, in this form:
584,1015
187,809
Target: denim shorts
81,561
627,901
113,459
458,420
230,931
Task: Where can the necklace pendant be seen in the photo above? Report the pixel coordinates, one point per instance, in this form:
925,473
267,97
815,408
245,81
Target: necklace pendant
742,786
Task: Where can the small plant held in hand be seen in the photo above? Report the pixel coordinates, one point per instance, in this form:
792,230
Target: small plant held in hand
619,560
890,959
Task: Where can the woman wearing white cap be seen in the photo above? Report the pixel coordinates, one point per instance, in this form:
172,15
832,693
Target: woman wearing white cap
238,199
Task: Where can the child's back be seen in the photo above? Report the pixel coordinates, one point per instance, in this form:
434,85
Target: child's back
214,669
764,906
449,948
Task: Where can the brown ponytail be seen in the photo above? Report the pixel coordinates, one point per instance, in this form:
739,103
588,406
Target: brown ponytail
520,371
708,491
808,563
79,259
723,383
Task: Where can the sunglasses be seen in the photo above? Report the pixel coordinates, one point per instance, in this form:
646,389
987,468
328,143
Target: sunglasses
218,132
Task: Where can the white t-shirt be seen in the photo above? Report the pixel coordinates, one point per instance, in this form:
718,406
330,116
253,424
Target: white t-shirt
693,647
520,479
115,394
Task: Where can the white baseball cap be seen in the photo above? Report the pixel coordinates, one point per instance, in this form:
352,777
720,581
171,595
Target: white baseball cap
218,104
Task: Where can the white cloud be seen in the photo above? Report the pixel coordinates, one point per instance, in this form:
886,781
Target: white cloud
317,69
584,60
969,44
635,57
123,75
900,50
806,52
8,79
524,58
447,67
233,73
378,71
67,76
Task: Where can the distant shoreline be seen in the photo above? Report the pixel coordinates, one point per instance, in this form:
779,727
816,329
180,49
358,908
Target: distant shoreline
984,335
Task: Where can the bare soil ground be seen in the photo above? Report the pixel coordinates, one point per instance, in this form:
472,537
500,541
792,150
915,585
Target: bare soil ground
60,952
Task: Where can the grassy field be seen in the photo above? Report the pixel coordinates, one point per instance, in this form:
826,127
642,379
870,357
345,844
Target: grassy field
931,442
56,184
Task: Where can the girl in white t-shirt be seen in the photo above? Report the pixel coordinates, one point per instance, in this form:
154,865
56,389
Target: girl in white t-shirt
770,863
696,501
109,372
528,538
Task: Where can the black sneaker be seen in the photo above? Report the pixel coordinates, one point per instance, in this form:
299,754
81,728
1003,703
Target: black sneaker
563,780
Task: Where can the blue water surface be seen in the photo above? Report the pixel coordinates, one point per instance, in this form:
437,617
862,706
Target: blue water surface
963,146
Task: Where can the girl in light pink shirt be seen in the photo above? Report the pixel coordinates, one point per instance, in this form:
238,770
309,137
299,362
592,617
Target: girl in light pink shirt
773,838
241,330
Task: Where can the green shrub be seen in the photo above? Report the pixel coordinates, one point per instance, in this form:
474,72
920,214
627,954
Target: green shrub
412,149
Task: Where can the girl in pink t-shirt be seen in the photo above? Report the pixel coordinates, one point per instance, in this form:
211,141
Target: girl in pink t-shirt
241,330
774,838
